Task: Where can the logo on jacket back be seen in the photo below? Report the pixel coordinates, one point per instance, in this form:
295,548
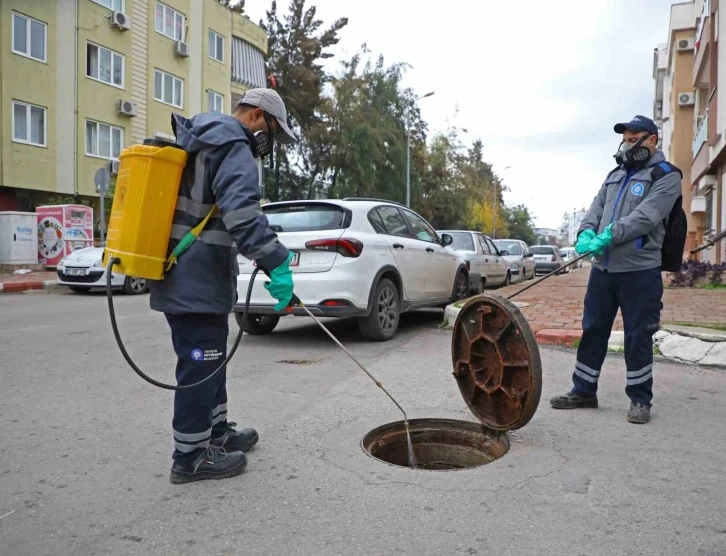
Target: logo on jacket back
197,354
637,189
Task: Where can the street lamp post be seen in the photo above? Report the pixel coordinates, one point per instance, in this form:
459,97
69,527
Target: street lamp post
408,152
496,208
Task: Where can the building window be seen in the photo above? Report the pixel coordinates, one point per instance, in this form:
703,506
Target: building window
115,5
169,22
29,37
215,102
103,140
168,89
104,65
216,46
29,124
709,212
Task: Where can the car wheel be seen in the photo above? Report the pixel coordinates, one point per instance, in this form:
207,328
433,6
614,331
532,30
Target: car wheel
382,323
507,280
79,289
461,287
135,286
480,289
257,325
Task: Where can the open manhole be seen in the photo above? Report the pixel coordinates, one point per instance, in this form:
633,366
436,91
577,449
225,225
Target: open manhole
438,444
498,370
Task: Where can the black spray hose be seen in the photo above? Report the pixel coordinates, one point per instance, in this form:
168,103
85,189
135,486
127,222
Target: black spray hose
112,314
533,284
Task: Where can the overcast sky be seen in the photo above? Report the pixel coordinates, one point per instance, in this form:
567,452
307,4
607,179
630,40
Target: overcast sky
540,82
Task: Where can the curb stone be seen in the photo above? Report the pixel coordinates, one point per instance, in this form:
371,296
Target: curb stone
16,287
670,344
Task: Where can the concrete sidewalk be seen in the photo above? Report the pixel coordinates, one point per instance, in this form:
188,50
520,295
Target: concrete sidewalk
36,280
557,303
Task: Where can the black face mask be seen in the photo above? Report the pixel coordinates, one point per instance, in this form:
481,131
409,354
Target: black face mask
635,156
266,142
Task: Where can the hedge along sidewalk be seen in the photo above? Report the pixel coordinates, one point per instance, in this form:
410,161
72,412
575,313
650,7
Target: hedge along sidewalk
13,283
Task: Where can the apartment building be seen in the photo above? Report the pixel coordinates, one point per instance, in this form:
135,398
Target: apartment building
570,225
692,96
82,79
675,100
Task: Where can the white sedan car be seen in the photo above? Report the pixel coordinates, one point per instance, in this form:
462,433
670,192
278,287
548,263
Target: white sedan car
362,258
83,269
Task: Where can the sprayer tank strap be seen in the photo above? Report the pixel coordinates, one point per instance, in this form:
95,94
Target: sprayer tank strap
188,239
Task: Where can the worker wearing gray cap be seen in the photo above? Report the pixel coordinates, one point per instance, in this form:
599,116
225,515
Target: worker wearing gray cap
635,229
219,184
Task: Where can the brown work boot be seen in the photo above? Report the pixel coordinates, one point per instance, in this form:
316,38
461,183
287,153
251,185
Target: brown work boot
573,401
639,413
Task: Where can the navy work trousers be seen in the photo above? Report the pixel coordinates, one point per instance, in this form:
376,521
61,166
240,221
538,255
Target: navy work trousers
200,343
639,296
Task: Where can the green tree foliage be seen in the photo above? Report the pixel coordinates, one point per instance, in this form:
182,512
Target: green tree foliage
519,222
234,5
352,128
297,47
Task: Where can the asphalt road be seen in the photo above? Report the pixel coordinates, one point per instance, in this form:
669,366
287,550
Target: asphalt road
85,446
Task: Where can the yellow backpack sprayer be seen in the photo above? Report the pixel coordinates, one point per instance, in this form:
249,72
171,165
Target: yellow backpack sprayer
140,227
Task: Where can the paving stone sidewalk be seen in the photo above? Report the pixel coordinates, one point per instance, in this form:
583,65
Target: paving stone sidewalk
557,303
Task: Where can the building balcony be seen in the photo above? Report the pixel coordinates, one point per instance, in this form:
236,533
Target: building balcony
700,135
702,55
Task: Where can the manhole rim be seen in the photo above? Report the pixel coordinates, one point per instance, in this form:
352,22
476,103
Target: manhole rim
501,436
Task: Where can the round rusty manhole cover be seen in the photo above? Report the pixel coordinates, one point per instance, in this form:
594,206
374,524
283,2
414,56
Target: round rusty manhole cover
496,362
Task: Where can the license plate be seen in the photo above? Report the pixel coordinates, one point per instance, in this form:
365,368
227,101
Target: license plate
294,262
76,271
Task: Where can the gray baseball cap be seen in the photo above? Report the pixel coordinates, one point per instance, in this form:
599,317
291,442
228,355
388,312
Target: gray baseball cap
271,102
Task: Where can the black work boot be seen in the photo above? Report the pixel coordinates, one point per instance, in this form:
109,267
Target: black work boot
215,463
233,440
573,401
639,413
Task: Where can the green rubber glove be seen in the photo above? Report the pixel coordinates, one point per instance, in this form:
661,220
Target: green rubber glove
280,286
601,242
583,241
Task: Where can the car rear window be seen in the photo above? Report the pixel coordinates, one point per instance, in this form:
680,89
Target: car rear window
305,217
512,247
462,241
542,250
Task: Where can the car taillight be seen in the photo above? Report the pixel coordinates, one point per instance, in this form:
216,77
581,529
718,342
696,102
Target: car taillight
336,303
554,258
346,247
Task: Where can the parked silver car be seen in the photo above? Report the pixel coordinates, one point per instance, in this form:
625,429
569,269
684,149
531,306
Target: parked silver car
547,258
482,257
569,254
519,258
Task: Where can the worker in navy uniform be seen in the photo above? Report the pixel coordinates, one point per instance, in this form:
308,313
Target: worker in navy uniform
198,293
624,229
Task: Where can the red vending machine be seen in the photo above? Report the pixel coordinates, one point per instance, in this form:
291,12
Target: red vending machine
63,229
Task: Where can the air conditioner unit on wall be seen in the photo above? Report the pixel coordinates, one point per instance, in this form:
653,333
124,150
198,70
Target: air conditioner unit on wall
181,49
684,45
113,166
121,21
127,108
686,99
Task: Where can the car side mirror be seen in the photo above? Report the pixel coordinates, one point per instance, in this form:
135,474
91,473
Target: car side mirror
529,255
504,253
447,239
